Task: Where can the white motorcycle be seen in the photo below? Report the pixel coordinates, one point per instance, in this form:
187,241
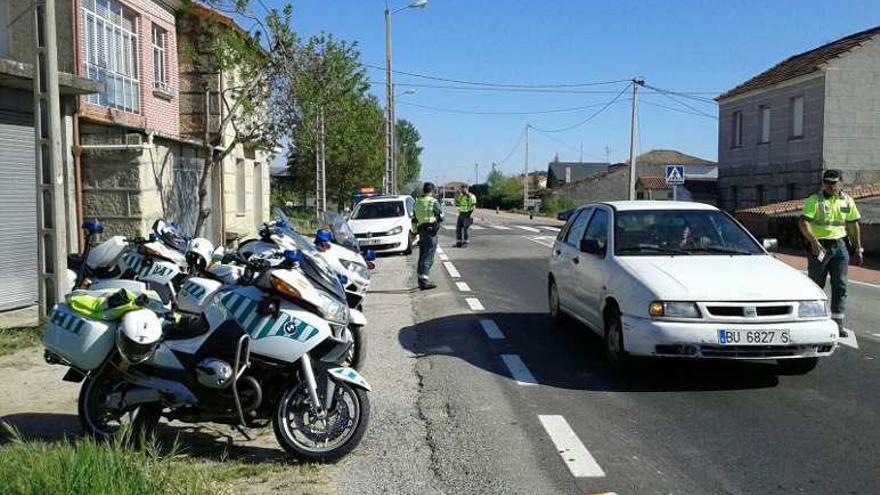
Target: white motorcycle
249,363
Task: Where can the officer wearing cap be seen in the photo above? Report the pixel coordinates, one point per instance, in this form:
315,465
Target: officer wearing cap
429,214
466,202
830,224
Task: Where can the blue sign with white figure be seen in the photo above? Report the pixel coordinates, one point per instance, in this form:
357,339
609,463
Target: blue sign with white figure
675,175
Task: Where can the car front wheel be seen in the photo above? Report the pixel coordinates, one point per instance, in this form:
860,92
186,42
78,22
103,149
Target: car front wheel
556,314
614,348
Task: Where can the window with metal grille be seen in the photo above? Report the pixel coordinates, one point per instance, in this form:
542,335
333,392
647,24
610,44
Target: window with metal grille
111,53
160,63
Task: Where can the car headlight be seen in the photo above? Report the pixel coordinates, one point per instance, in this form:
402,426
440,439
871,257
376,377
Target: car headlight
356,268
812,309
333,310
674,309
395,230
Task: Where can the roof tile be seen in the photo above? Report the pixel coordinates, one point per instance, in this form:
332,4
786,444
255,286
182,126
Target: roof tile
857,192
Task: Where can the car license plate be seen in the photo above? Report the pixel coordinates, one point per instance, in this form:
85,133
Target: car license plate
370,242
754,337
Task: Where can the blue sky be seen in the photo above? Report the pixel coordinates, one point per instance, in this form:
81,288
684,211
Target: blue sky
690,46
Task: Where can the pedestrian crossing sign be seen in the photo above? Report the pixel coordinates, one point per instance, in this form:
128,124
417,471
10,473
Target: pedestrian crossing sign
675,175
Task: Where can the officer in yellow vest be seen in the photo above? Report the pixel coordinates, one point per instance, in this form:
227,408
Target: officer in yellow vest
429,214
830,224
466,202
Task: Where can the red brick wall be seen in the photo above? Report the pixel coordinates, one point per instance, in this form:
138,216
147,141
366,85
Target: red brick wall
156,113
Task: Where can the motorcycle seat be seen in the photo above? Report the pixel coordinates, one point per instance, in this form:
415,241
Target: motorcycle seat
187,327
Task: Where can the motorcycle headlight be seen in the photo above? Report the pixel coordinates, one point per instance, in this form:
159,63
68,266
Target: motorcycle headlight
356,268
674,309
395,230
812,309
333,310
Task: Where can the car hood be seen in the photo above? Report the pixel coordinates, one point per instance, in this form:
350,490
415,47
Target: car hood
720,278
377,225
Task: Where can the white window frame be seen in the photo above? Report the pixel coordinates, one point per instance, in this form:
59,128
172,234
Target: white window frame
797,117
764,116
111,54
737,140
159,39
240,187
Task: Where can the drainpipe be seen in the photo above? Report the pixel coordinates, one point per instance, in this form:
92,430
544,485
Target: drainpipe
77,151
222,233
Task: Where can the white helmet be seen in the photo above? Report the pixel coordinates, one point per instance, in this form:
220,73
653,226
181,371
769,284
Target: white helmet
138,335
199,253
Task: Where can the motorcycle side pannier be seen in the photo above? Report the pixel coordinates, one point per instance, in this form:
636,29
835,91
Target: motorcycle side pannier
82,342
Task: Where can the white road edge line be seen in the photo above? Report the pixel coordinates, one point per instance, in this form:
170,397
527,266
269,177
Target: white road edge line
439,249
530,229
474,304
538,241
553,229
866,284
463,286
501,227
490,328
518,370
477,227
850,339
573,452
444,257
451,269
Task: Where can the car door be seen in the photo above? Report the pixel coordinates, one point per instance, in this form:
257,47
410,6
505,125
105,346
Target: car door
590,273
565,255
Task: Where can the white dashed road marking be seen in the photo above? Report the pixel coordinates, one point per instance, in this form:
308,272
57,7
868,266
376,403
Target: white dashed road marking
576,457
474,304
477,227
530,229
850,339
501,227
518,369
552,229
439,249
876,334
491,329
449,227
463,286
539,240
444,257
451,269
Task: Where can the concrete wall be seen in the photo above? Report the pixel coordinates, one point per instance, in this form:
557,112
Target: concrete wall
20,42
852,114
242,224
781,162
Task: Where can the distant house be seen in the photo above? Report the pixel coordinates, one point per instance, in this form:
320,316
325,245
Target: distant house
816,110
561,173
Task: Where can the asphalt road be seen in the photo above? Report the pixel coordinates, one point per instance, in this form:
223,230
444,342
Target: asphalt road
564,423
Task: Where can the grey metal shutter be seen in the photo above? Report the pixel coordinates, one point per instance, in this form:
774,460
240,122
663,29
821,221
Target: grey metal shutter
18,212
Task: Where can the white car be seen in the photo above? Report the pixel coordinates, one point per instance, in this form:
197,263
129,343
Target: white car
384,224
686,280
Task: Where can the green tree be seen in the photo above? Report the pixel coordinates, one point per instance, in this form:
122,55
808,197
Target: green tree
409,166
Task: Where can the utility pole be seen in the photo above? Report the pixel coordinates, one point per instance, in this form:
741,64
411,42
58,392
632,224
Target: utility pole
582,154
607,154
476,173
320,167
526,171
51,218
632,138
389,109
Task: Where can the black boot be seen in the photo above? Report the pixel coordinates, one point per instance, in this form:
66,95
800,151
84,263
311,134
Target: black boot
842,333
426,285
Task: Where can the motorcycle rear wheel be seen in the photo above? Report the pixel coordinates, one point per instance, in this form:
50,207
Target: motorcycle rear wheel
305,436
104,423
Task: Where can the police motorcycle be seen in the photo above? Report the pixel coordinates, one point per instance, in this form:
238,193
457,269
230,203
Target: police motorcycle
264,354
279,235
339,246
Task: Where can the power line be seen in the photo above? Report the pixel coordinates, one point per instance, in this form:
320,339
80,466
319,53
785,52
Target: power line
676,100
536,90
499,85
477,112
591,117
513,150
563,143
679,110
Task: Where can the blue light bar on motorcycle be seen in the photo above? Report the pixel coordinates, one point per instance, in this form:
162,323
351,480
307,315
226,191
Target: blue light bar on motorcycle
323,235
370,255
282,224
343,279
293,255
93,227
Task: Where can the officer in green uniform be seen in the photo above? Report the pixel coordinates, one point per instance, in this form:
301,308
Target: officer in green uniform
829,223
466,202
429,214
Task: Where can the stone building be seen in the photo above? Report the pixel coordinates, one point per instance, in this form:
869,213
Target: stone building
817,110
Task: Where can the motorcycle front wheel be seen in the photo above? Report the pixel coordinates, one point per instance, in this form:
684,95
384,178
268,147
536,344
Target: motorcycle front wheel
102,420
315,438
357,353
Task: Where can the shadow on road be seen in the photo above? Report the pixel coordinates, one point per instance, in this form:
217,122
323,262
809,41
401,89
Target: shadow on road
571,357
201,441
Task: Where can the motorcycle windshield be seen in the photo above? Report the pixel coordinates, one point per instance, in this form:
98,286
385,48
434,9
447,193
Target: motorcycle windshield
341,230
314,265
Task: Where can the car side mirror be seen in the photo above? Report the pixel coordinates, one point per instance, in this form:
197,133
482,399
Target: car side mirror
591,246
771,245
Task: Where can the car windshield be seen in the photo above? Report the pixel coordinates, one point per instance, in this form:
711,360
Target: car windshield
379,209
680,232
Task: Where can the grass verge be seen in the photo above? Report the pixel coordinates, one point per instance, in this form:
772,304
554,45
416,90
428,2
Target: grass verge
14,339
84,467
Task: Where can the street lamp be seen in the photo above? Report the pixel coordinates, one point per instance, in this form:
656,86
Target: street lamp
390,138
